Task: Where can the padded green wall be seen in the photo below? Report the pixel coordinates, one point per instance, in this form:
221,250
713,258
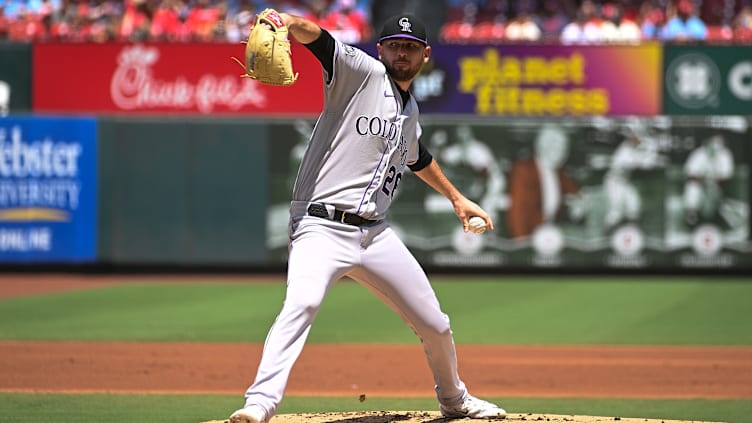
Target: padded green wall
182,191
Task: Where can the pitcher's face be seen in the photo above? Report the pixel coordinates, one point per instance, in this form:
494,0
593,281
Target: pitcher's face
403,58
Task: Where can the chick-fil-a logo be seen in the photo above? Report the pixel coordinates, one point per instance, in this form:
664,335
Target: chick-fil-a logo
134,86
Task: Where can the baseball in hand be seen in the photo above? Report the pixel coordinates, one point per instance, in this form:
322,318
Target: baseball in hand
476,225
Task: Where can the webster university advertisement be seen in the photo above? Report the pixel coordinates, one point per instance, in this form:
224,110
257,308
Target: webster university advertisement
48,190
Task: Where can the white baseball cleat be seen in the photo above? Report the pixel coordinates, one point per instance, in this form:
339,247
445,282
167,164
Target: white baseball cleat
249,414
473,408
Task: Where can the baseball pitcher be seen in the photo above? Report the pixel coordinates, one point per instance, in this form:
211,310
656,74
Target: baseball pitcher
361,147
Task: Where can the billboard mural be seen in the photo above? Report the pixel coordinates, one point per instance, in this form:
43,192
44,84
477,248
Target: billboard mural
591,193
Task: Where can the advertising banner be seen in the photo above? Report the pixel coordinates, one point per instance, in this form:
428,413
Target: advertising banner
708,80
541,80
15,78
166,78
591,193
48,190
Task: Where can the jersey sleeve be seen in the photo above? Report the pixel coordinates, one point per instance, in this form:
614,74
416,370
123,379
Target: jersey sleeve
323,49
424,158
352,68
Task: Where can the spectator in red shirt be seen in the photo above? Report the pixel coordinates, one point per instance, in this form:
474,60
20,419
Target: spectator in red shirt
317,11
166,24
4,23
27,26
346,23
136,21
202,20
742,25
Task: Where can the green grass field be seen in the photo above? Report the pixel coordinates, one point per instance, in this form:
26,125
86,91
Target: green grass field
484,310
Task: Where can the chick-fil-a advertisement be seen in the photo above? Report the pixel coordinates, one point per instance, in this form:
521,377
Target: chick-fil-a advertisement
198,79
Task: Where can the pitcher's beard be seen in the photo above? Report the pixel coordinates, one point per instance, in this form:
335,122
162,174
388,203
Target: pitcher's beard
402,74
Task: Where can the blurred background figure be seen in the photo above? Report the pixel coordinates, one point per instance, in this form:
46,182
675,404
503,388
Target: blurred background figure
637,151
4,23
586,26
239,21
25,24
463,24
202,22
316,10
472,164
523,28
539,187
167,24
552,19
650,19
380,10
742,24
488,183
683,24
347,23
136,23
708,170
618,28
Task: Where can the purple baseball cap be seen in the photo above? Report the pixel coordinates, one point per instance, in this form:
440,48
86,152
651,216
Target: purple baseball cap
404,26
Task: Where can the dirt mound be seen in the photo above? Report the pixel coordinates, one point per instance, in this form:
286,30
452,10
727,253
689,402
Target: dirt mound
435,417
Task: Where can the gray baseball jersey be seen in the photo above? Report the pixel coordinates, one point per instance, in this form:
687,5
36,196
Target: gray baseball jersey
361,145
363,140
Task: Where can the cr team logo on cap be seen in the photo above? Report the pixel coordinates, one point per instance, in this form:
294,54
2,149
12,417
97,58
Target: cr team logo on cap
405,24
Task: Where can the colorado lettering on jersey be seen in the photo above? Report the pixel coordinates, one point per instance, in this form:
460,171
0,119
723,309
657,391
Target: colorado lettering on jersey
402,151
377,127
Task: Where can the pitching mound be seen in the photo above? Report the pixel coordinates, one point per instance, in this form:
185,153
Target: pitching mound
435,417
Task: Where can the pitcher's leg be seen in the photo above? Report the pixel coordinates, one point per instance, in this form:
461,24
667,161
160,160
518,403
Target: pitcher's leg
315,264
393,274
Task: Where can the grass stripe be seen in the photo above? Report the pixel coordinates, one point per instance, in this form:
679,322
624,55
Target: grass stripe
111,408
657,311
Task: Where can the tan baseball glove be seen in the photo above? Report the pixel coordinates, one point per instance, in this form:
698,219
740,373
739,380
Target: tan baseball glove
268,58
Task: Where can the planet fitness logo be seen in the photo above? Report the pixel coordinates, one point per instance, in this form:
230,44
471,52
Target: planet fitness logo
693,81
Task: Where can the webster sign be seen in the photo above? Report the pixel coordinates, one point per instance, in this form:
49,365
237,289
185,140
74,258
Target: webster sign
165,78
48,189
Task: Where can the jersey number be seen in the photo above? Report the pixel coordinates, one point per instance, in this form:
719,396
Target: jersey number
391,181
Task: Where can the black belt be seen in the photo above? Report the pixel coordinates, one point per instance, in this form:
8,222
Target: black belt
319,210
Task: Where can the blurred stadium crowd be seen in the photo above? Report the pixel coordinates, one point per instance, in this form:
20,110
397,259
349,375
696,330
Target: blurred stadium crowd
355,21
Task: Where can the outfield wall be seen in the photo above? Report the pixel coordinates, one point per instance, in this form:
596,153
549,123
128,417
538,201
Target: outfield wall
146,163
